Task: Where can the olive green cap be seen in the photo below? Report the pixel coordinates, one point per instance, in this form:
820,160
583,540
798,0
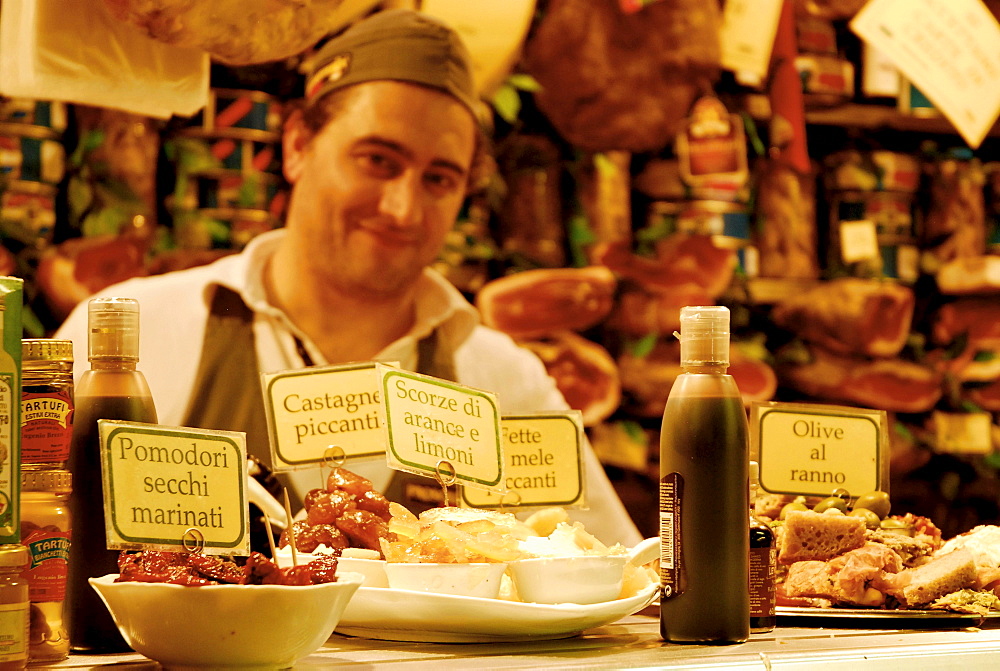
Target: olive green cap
400,45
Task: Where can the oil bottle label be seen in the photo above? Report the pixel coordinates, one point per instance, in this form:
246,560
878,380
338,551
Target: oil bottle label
671,559
762,570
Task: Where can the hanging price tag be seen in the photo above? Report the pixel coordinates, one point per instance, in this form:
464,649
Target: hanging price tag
950,49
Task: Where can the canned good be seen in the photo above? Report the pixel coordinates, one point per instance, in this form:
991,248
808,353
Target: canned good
878,170
236,109
45,531
28,212
48,113
239,149
826,80
31,153
46,402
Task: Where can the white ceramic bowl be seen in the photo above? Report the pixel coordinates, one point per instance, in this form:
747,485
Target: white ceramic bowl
476,579
583,579
235,626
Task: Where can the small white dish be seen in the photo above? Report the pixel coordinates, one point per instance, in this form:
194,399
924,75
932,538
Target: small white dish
480,580
583,579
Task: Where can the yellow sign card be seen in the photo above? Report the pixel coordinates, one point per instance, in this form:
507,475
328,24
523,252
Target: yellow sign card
544,463
171,488
321,412
440,429
950,49
814,450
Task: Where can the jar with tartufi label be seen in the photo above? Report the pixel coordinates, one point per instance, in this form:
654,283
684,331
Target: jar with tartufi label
45,531
46,403
13,607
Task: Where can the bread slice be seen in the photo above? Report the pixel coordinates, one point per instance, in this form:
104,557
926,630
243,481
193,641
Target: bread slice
808,535
942,575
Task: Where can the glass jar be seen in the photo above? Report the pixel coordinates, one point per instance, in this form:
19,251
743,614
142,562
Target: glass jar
45,531
46,402
13,607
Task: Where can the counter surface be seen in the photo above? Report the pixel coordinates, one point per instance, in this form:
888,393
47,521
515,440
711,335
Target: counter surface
634,642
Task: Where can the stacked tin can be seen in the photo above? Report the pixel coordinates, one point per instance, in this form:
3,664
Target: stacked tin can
32,164
227,159
877,187
47,406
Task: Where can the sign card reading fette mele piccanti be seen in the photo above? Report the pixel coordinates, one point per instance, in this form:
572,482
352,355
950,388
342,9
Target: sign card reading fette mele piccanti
441,429
544,463
815,450
174,488
323,413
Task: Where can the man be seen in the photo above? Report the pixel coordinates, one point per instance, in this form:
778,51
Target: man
379,159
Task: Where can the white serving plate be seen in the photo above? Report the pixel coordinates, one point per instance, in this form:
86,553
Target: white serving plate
403,615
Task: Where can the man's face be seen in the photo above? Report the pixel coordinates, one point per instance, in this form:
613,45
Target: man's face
378,188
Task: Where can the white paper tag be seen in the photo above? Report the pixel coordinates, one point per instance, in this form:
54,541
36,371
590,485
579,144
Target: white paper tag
858,241
747,35
950,49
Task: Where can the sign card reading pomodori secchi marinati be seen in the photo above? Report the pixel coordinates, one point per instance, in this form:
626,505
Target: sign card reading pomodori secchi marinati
544,463
815,450
441,429
174,488
323,413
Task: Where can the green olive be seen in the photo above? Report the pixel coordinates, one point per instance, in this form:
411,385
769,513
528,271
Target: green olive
788,507
896,526
831,502
871,519
877,502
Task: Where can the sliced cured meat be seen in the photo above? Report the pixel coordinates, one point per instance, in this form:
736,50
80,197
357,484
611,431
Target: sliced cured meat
584,372
884,384
850,316
537,303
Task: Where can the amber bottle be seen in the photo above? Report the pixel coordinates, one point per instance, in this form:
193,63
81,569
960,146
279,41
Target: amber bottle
112,389
704,480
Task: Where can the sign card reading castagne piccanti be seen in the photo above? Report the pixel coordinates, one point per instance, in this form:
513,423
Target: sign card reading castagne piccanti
173,488
544,463
323,412
440,429
814,450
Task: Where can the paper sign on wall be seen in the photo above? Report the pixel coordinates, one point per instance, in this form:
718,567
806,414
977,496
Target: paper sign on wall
437,428
323,412
171,488
544,463
747,35
950,49
813,450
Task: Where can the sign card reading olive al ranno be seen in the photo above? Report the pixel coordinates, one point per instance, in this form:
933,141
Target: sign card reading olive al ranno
323,413
544,463
815,450
174,488
441,429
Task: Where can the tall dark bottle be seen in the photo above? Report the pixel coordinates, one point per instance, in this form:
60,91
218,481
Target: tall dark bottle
111,389
704,481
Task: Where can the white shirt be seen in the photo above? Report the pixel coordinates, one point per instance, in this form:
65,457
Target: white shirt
174,310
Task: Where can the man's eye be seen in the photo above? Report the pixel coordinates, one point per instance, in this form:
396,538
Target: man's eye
378,163
440,182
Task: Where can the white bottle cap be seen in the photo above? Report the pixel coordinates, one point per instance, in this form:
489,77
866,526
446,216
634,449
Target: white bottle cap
114,328
704,335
